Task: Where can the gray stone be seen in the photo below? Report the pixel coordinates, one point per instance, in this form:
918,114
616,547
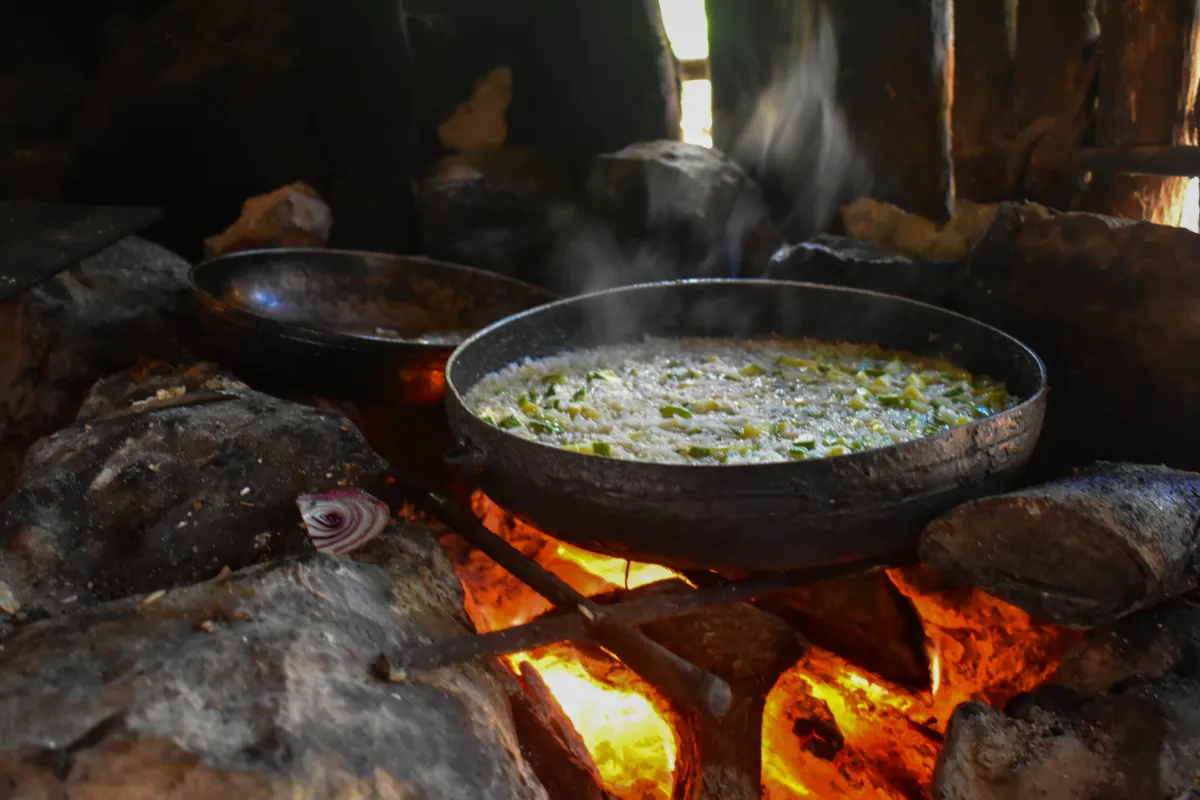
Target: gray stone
491,209
259,685
57,338
155,488
681,210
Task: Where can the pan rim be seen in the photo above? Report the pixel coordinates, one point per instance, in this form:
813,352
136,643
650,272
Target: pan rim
1031,404
307,333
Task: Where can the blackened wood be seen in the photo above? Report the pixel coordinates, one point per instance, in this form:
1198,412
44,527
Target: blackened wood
1167,161
895,83
862,618
984,90
682,682
1109,305
1147,645
749,649
549,742
1148,75
1079,552
573,626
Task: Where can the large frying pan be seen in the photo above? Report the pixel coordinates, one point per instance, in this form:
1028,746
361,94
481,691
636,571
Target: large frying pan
736,518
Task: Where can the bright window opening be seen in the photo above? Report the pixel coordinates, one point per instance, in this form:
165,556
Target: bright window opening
687,30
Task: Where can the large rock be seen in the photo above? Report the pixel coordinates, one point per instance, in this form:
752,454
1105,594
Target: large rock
680,210
259,685
164,481
61,335
491,209
1119,719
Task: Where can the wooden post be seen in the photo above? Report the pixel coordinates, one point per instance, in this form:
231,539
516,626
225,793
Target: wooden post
1052,41
894,81
984,90
1148,77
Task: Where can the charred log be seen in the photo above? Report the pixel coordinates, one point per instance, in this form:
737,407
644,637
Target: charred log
549,742
749,649
1108,305
1148,645
1080,552
257,684
1148,76
1119,719
862,618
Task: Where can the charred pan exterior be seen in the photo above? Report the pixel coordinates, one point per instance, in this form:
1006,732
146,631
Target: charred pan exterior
755,517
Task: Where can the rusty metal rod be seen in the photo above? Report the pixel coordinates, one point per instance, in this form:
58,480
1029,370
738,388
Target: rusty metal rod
567,627
680,680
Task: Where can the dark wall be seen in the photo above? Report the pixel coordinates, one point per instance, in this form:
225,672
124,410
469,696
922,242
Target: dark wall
195,105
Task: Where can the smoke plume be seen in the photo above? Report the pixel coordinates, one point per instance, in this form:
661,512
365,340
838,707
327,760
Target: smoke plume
795,138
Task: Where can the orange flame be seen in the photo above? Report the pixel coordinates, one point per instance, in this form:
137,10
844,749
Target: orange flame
830,729
623,726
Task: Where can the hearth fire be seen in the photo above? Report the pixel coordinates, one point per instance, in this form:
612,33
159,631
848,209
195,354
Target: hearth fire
831,727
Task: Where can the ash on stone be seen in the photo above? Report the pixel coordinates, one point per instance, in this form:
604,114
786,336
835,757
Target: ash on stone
137,497
258,684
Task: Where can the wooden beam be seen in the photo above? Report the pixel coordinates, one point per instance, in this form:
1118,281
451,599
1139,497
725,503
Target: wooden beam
1148,74
1053,37
984,91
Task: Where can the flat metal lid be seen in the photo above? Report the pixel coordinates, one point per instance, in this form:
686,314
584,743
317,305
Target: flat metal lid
40,240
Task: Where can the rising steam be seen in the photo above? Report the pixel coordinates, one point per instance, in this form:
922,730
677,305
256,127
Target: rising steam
795,138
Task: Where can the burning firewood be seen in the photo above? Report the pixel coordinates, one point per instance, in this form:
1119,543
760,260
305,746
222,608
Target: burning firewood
1083,551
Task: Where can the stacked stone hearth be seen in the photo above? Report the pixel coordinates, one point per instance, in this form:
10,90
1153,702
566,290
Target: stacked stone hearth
167,630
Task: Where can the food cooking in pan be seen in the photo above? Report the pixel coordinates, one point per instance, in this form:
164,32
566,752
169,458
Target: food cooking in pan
729,401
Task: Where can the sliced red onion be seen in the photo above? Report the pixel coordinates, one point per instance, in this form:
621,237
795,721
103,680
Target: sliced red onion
341,520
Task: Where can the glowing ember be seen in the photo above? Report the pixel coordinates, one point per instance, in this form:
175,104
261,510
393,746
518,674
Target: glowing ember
622,723
830,729
630,741
985,649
